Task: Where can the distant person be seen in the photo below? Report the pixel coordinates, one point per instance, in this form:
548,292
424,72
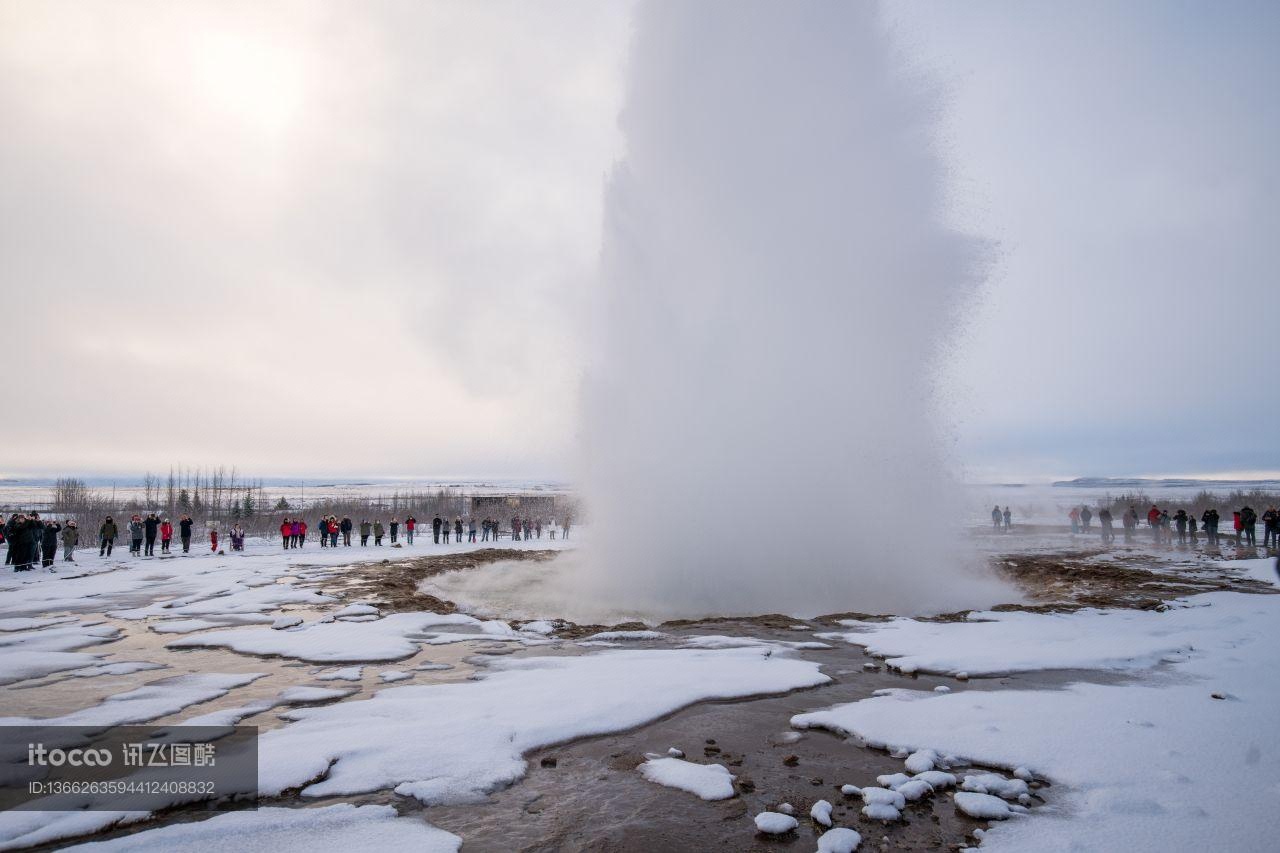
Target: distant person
1238,525
410,525
365,529
1191,527
378,532
213,539
1104,519
237,537
484,530
1130,522
135,535
996,517
49,543
537,526
287,538
1271,528
1166,532
333,531
515,528
151,527
1074,515
1008,520
395,530
1180,522
564,528
436,524
1210,520
1153,521
457,529
166,535
70,539
471,529
344,527
1249,522
107,534
184,532
1086,516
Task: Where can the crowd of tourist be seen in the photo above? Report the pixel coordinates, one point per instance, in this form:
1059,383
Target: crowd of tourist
32,540
1164,526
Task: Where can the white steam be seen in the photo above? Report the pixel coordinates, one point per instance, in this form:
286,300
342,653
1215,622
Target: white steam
760,421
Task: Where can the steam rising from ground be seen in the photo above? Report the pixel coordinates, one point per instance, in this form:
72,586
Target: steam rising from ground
759,418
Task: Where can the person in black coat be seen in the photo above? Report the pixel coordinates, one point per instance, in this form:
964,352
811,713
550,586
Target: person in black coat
150,526
184,530
49,543
435,528
24,541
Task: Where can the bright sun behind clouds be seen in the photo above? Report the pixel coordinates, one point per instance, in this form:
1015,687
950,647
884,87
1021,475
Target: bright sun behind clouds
245,78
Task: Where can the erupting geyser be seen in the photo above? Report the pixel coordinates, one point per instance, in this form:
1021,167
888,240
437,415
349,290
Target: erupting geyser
760,425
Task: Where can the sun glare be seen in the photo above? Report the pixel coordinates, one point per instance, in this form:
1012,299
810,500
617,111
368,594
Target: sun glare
253,80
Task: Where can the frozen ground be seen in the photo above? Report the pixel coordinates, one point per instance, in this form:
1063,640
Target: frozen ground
1157,735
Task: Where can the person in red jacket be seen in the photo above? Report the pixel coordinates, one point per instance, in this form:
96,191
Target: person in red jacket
410,525
286,532
166,534
213,540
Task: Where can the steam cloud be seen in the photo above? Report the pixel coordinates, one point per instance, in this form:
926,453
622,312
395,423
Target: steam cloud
759,417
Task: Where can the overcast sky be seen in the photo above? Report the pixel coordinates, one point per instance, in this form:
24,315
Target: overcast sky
356,238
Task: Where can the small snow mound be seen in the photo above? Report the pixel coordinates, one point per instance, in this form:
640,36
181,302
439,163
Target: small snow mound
942,688
914,790
982,806
1024,774
286,622
774,823
881,811
937,779
708,781
850,790
394,675
357,610
921,761
786,808
675,753
994,783
962,676
821,812
883,796
348,673
839,840
893,780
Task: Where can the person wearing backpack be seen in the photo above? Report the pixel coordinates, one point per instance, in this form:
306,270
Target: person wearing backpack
1249,522
365,529
378,531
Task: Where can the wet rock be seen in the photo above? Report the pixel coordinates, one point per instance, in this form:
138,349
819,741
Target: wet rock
791,760
548,761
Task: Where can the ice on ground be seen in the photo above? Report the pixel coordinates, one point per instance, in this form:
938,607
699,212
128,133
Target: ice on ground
628,635
41,651
392,675
708,781
347,673
27,623
286,622
775,823
839,840
283,830
188,626
299,695
433,667
357,610
455,742
995,784
125,667
388,639
821,813
157,699
725,641
1149,764
539,626
996,643
983,806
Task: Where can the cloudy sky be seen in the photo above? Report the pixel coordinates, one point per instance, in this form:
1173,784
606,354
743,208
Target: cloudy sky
357,238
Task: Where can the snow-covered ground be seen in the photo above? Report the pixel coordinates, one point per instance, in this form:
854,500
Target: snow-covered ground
1185,756
1168,744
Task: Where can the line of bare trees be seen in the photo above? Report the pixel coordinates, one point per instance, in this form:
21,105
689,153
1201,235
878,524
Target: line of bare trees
219,498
